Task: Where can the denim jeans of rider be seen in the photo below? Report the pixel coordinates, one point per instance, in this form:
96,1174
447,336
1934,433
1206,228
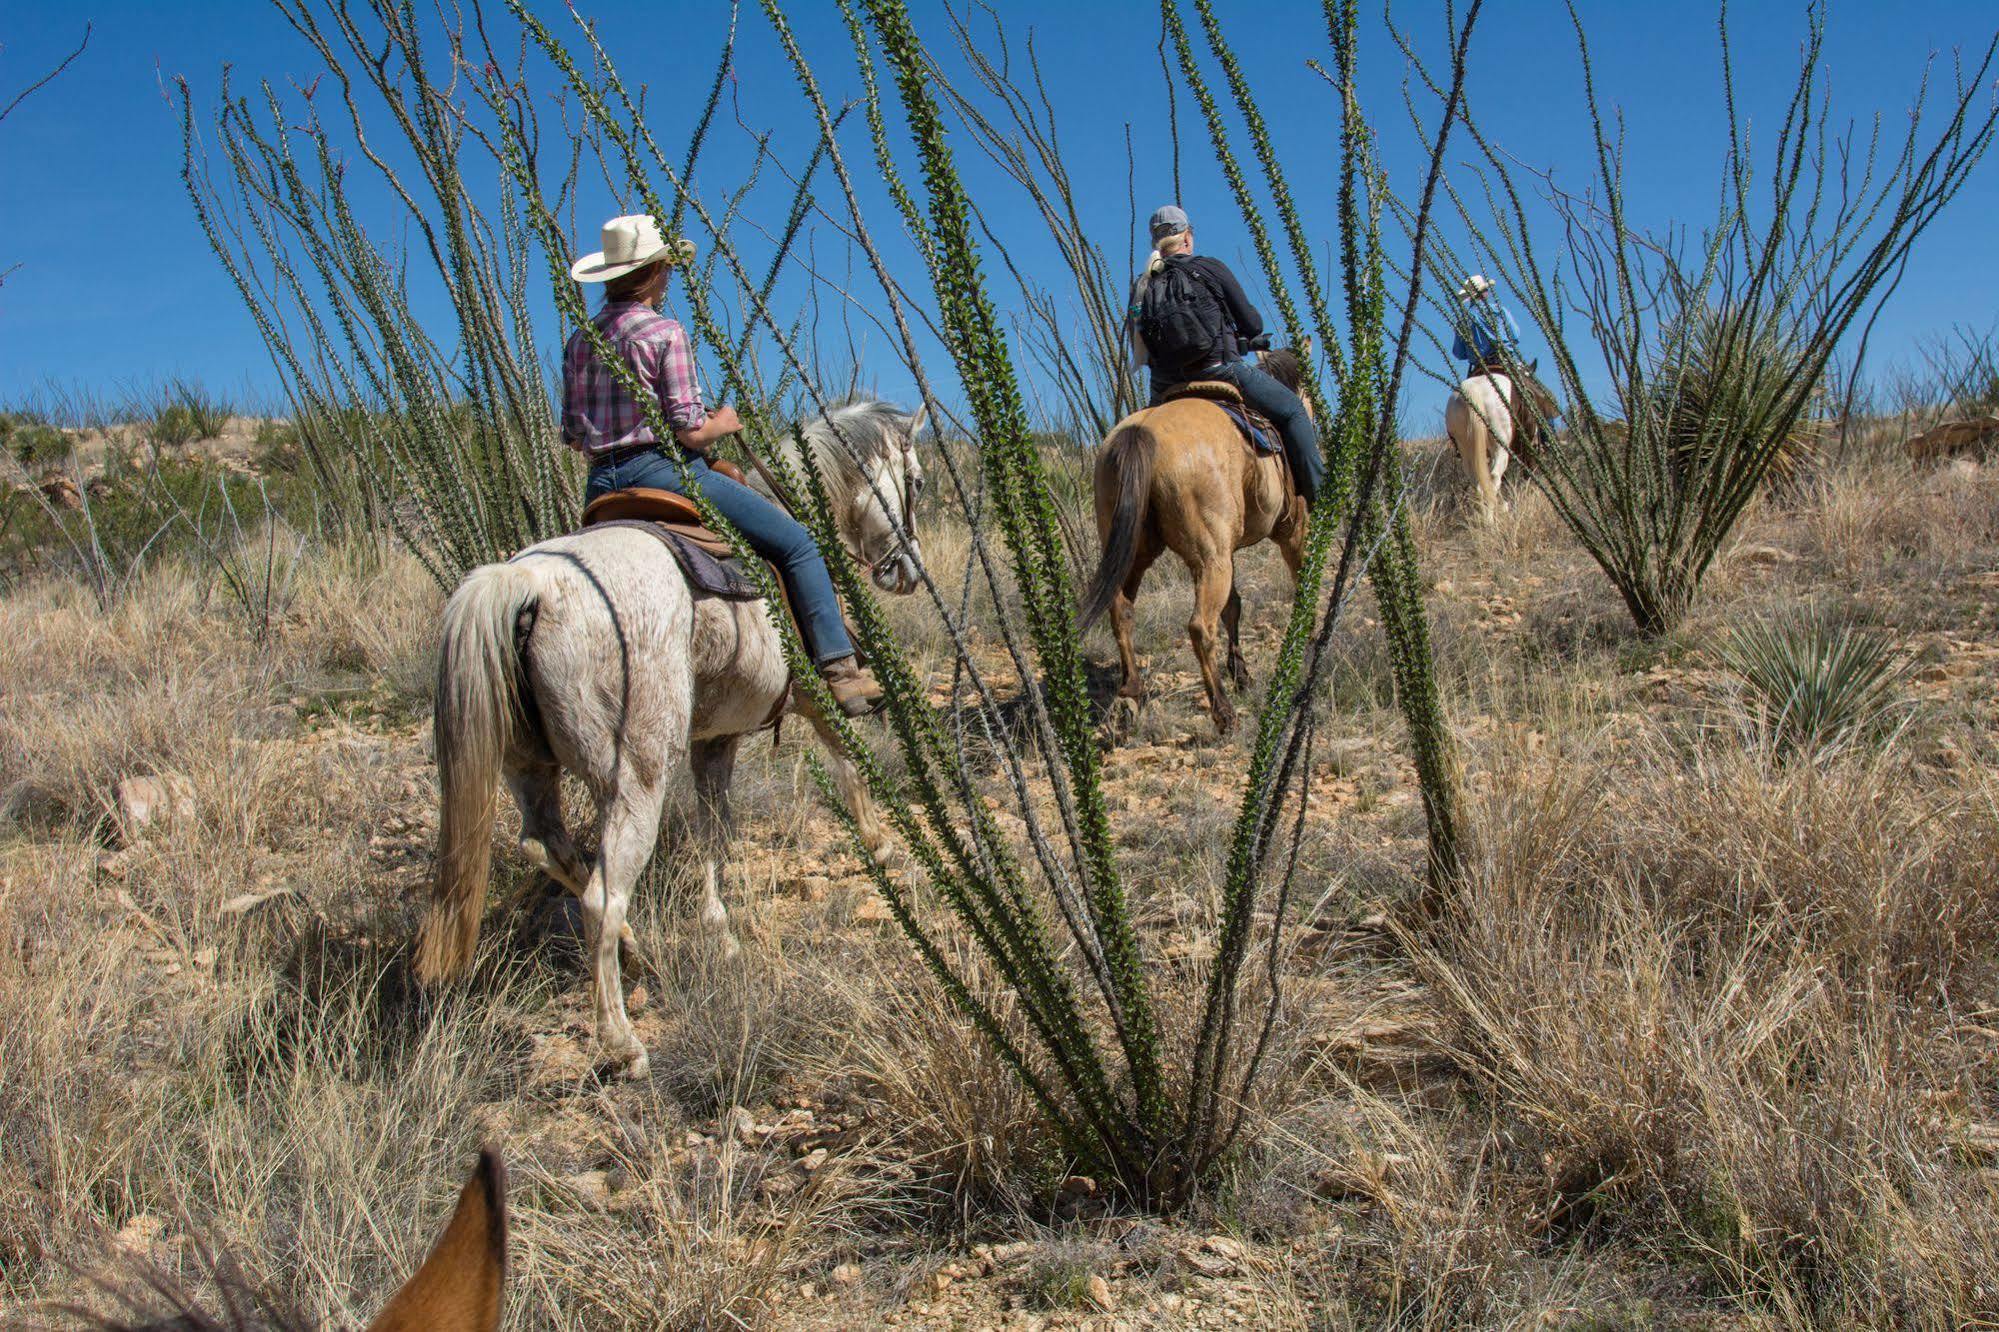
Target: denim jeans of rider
771,532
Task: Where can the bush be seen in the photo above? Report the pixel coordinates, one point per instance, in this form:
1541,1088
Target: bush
33,442
188,413
1813,687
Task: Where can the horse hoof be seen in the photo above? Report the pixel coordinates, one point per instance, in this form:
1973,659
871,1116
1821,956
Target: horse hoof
1224,722
637,1069
1123,717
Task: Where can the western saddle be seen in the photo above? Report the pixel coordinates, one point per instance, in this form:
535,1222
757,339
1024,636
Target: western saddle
675,512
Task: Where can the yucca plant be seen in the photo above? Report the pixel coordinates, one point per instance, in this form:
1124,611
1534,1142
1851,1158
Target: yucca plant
1813,687
1713,350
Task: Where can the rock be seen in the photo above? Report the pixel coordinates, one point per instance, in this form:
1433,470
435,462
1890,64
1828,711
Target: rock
741,1125
144,801
1950,438
138,1236
871,910
815,1160
1761,554
1098,1292
1217,1256
847,1274
592,1188
61,491
1081,1186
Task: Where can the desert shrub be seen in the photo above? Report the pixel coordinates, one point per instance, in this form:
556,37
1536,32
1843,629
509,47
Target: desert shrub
186,412
1813,686
33,442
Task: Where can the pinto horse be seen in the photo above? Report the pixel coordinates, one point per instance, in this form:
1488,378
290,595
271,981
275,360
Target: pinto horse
1180,477
1489,419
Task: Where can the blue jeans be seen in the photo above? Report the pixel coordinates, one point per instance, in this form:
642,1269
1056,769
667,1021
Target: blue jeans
1286,411
771,532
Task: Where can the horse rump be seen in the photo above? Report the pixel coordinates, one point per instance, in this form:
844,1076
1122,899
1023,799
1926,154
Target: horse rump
477,717
1129,454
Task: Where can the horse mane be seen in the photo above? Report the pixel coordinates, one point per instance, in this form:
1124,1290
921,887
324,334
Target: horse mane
847,436
1286,366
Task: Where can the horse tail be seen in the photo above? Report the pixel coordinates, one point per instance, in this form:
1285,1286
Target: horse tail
1129,452
477,716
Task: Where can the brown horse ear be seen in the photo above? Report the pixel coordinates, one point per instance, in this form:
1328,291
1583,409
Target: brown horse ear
458,1287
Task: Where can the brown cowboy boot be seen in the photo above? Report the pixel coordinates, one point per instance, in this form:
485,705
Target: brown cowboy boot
854,686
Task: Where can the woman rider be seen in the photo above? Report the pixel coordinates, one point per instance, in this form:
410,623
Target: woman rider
607,426
1173,237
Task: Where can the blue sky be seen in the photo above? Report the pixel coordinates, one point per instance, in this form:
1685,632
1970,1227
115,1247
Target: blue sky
116,286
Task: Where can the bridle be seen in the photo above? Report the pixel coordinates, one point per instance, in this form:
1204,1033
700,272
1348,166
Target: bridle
907,487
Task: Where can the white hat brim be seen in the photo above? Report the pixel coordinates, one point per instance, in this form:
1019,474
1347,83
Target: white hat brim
594,267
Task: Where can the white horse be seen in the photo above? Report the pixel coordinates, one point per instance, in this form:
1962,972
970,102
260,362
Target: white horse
1486,420
589,654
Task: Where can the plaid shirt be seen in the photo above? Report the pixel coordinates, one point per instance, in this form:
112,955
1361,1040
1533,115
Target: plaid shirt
598,415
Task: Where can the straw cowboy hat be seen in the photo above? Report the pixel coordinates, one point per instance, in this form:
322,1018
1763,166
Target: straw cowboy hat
630,243
1475,285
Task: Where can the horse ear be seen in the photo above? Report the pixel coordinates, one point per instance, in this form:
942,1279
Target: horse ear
458,1287
1305,348
1534,366
917,418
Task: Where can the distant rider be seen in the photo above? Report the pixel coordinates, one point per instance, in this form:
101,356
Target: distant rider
607,426
1189,320
1487,339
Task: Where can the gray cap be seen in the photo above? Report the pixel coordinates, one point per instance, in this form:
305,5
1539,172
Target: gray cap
1169,221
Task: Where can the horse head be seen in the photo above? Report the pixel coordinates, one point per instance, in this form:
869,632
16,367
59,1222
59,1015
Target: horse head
1286,365
866,450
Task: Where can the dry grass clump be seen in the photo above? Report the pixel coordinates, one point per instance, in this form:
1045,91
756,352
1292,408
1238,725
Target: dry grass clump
1723,1013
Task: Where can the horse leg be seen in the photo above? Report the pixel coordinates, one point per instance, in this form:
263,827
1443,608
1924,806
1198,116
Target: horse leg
545,841
714,764
1214,580
854,792
537,791
1232,622
630,827
1132,686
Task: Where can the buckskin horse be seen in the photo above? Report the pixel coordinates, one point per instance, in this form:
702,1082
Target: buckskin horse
591,654
1181,477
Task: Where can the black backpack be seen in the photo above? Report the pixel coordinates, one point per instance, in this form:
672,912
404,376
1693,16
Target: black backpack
1182,318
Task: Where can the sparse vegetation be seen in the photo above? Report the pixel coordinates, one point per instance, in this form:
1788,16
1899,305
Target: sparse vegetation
1688,1024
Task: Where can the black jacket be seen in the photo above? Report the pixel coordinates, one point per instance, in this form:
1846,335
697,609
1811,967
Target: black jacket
1248,323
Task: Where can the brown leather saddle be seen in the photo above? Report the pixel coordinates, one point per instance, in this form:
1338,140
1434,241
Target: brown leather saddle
676,513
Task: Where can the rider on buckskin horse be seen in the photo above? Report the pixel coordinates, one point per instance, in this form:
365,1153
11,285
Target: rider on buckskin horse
1189,320
601,421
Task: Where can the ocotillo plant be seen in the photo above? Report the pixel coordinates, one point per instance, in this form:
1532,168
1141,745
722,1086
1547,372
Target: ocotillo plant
1048,913
448,442
1712,353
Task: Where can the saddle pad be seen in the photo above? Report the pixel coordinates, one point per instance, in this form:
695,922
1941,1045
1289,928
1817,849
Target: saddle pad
708,574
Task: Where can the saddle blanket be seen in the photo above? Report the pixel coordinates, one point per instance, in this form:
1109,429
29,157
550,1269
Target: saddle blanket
1262,436
707,574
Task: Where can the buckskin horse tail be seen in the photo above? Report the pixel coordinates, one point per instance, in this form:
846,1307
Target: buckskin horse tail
477,715
1129,451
